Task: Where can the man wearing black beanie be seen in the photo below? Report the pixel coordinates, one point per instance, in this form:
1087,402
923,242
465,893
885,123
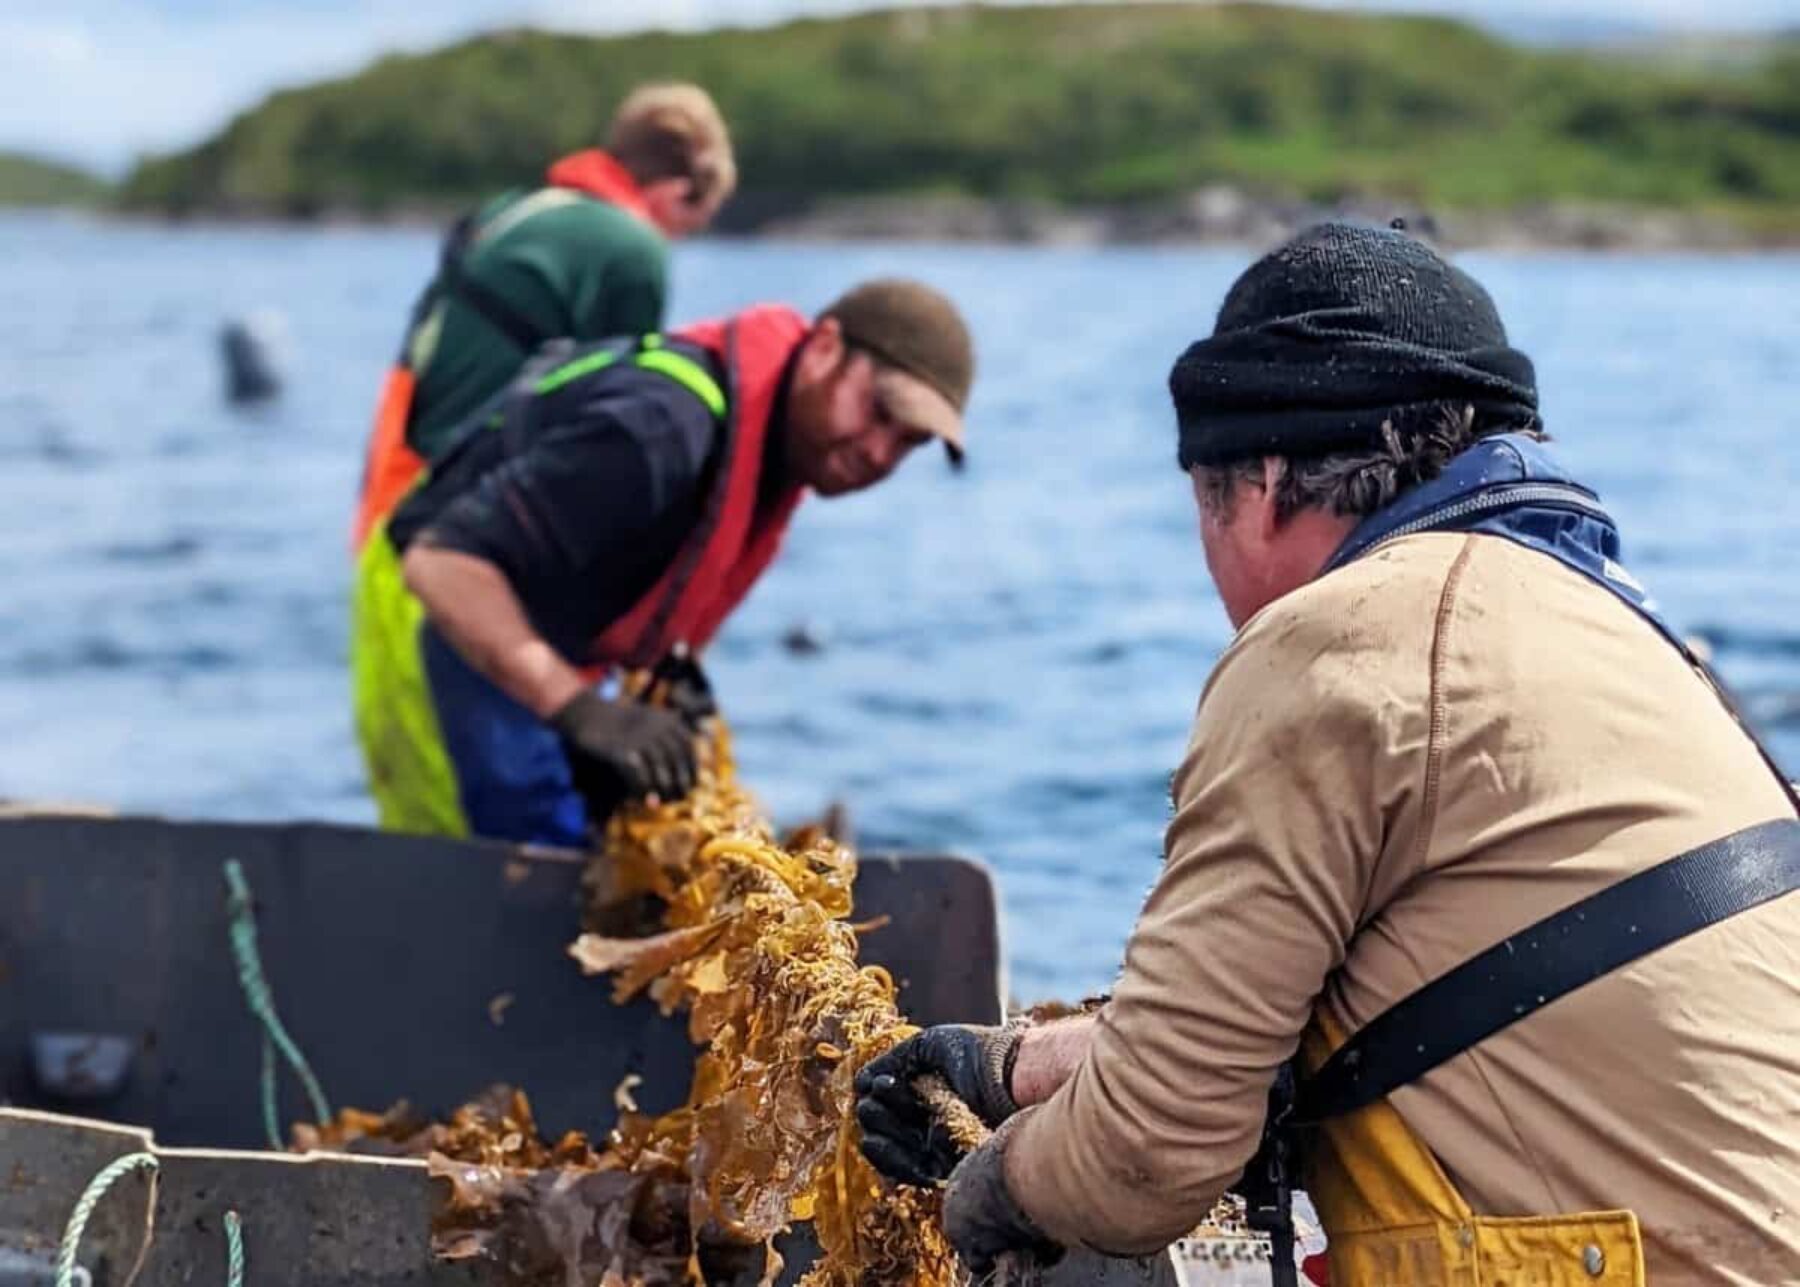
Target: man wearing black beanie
1466,847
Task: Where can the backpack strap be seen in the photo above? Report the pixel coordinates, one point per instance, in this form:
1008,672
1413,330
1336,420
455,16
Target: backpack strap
454,280
1548,960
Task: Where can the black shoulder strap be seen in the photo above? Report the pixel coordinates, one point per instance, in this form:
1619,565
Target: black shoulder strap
519,402
455,281
1552,958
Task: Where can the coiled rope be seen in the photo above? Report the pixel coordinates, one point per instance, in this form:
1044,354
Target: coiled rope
66,1270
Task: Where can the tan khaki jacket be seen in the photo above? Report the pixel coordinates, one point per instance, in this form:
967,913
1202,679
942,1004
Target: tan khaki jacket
1392,769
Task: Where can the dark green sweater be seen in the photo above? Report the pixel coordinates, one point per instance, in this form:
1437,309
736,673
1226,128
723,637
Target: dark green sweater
571,264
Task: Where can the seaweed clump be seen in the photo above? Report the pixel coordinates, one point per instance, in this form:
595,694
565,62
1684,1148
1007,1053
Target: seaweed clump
756,946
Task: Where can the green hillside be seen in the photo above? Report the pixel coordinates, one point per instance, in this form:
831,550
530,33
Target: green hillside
1077,104
32,181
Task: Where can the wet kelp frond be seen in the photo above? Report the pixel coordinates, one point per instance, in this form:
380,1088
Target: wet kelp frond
756,947
701,905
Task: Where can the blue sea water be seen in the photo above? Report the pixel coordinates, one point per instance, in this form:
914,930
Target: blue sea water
1010,657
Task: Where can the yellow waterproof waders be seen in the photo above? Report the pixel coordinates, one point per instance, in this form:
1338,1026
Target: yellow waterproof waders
410,773
1393,1219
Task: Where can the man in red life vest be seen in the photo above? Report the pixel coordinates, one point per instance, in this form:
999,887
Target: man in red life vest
608,512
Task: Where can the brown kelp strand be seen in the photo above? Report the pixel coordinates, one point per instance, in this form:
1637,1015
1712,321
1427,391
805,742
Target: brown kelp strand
701,905
550,1213
755,945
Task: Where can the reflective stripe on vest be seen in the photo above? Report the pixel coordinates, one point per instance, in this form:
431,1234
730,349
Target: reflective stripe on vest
742,519
651,355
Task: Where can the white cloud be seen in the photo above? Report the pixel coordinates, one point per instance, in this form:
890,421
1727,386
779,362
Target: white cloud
59,42
102,81
106,81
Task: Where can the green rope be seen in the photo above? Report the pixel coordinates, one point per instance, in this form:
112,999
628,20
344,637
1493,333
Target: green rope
84,1207
234,1250
262,1004
96,1189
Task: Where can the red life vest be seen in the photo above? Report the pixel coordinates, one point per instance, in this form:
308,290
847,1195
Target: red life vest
391,466
737,537
601,177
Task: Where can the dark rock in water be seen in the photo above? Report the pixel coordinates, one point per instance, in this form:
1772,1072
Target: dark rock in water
802,640
252,349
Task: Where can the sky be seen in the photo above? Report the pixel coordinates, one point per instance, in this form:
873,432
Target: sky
100,82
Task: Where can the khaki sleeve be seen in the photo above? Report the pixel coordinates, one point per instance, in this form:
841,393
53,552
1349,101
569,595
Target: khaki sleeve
1307,754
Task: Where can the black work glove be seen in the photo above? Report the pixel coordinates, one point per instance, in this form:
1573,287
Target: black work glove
981,1219
624,751
901,1134
681,685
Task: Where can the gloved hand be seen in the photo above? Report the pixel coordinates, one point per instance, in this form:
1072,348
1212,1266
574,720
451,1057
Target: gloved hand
681,685
624,750
981,1219
901,1135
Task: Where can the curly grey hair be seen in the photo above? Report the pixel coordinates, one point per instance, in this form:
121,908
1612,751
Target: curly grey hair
1414,449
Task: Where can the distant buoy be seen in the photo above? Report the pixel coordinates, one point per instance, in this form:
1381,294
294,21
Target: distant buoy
255,350
802,640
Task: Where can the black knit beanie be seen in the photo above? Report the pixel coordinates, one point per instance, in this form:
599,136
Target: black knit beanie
1340,329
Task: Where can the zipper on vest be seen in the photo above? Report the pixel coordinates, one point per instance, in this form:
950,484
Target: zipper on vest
1493,499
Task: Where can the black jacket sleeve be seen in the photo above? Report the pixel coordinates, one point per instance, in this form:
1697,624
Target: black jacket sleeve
585,519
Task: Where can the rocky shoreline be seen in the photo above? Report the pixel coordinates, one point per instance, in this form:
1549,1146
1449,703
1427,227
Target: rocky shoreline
1224,214
1219,214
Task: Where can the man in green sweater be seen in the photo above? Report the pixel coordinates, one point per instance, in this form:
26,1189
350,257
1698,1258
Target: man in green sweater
585,256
